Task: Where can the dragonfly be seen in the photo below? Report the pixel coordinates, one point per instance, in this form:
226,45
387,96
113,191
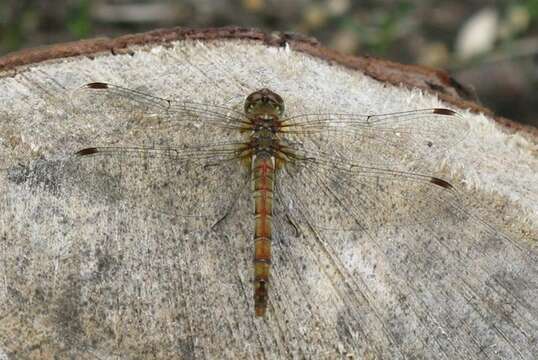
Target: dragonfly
360,168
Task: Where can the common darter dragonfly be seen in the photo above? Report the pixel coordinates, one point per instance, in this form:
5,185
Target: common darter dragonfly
364,170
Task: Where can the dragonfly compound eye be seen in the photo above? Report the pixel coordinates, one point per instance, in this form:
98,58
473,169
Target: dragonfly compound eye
280,109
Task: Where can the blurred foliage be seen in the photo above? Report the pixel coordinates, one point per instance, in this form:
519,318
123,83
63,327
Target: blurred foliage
505,74
78,19
532,8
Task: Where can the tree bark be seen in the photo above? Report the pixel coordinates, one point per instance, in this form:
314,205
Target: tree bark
98,262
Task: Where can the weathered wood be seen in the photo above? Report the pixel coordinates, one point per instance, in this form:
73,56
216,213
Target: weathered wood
96,262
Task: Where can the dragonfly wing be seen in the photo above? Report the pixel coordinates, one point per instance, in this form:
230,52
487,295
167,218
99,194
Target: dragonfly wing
197,179
349,196
131,108
390,139
195,186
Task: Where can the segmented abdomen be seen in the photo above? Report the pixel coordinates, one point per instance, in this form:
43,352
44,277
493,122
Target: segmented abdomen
263,179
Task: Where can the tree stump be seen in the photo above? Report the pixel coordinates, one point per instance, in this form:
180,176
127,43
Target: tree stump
98,263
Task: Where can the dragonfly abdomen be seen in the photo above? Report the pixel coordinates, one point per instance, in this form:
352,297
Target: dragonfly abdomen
263,170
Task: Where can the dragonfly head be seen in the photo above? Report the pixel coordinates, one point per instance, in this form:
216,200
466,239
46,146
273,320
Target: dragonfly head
264,101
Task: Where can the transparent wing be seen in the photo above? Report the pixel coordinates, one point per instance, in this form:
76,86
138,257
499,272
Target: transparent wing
381,138
345,195
335,194
335,157
197,186
390,139
116,102
195,173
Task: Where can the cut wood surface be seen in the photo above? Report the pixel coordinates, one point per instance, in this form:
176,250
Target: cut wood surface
111,256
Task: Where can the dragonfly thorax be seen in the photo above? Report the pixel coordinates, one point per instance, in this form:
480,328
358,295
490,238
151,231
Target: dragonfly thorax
265,122
264,141
264,109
